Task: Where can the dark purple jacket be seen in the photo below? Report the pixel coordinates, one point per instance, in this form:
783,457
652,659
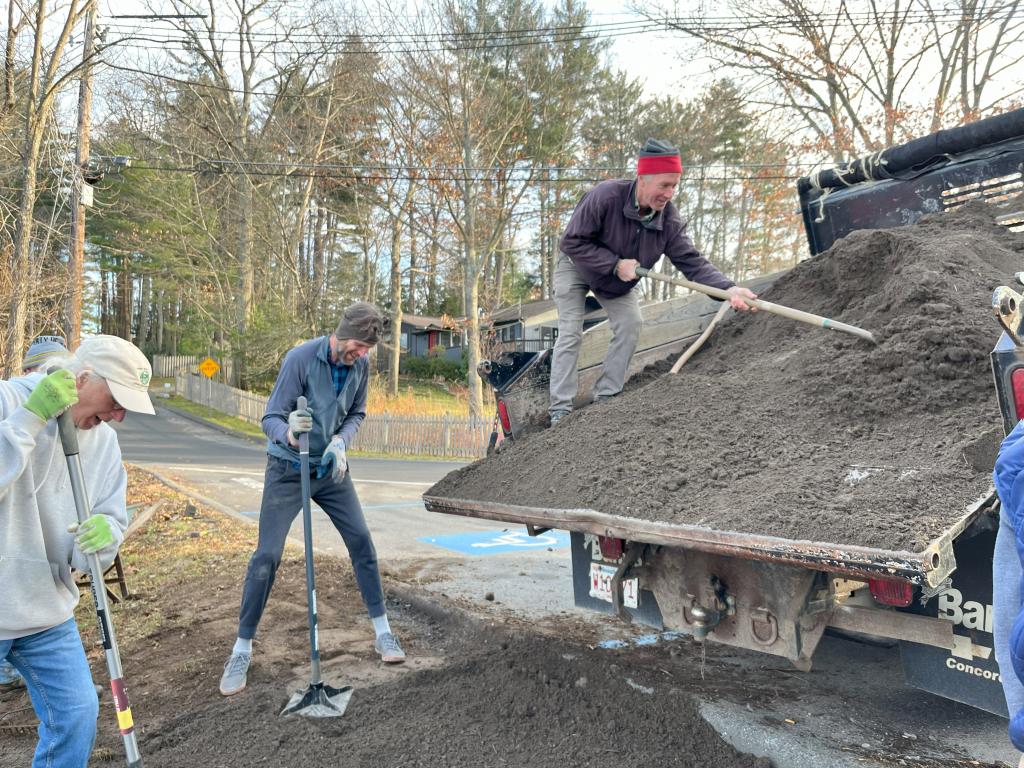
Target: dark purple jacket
606,227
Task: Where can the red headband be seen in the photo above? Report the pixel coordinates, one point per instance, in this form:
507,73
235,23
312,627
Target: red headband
652,164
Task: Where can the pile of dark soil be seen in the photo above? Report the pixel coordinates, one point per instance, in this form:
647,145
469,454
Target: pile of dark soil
504,701
469,695
778,428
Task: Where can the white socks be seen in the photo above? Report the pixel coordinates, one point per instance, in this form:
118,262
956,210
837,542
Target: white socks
242,646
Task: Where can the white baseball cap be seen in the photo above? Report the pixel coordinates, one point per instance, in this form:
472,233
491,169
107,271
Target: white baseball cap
123,366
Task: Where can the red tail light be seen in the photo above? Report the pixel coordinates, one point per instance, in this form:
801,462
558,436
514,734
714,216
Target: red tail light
889,592
1017,390
506,423
611,549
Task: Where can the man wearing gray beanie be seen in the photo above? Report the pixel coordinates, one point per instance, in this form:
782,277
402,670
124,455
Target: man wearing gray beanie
332,373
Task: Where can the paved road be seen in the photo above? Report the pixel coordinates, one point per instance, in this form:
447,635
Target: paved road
853,700
228,471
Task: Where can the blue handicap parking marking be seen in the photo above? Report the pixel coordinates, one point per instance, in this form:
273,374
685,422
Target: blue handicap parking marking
498,542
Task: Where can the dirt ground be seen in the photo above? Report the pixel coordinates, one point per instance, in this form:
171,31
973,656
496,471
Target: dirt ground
782,429
470,695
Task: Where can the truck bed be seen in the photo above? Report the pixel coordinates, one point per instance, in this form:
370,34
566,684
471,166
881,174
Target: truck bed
928,568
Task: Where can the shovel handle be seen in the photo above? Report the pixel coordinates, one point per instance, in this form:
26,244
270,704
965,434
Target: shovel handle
126,724
764,306
68,434
301,404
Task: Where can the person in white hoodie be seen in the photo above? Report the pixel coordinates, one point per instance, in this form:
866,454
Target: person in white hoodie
40,539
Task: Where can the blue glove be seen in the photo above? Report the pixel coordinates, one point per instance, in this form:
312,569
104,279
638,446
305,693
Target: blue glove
335,453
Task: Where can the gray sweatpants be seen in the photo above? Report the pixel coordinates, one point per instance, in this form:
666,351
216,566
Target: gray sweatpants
625,321
1006,604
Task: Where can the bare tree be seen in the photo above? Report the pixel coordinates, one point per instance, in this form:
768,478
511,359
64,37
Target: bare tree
857,74
47,77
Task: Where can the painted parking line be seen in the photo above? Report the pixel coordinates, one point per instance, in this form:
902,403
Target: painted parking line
498,542
235,471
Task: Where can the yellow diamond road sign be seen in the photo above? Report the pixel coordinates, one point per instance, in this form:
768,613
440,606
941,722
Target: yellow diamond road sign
209,367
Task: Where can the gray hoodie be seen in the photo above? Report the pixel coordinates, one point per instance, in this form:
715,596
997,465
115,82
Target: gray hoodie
37,590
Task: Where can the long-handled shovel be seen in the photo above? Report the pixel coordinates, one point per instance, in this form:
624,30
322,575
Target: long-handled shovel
765,306
319,699
69,439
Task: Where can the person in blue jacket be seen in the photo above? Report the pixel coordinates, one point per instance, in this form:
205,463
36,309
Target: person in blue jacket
1007,597
332,372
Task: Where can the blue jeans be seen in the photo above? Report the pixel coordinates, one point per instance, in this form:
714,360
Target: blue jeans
1006,604
282,500
60,685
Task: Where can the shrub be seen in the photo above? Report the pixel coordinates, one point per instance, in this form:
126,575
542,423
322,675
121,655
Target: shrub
434,367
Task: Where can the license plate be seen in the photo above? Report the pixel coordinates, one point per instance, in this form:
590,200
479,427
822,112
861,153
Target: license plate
601,585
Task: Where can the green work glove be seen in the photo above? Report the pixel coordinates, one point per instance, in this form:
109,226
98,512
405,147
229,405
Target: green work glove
94,534
53,395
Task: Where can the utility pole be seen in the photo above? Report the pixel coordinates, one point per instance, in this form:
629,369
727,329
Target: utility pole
79,189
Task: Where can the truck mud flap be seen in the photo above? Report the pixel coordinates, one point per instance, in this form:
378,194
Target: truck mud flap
969,673
586,593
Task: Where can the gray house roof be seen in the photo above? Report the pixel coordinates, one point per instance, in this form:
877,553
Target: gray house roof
424,322
541,312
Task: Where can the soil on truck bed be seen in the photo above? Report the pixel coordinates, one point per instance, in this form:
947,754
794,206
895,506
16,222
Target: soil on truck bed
778,428
469,695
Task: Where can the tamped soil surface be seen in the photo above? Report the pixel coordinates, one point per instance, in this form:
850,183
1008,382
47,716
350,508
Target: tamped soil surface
778,428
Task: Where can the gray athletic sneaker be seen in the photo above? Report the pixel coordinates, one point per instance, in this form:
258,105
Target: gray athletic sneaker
557,416
233,679
389,649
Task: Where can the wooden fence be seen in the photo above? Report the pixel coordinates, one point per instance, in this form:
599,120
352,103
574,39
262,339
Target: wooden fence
234,402
172,365
441,436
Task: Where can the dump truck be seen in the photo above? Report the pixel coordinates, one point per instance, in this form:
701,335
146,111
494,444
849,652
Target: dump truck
776,595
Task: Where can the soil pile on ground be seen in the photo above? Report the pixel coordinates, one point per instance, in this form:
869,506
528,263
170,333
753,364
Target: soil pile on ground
469,695
508,701
778,428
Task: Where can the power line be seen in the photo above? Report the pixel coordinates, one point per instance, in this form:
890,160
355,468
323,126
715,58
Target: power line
197,84
398,176
631,26
463,169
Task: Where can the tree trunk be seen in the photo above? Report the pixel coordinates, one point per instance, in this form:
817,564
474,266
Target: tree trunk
410,299
145,304
394,358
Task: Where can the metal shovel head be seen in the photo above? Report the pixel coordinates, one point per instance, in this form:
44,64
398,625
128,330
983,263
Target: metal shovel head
320,700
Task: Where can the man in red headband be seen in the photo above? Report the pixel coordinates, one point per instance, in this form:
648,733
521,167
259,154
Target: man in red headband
620,225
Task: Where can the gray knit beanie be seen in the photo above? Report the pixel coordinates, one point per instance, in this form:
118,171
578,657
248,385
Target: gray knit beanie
363,322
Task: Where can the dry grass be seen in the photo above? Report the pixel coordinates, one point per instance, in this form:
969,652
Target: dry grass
184,542
417,398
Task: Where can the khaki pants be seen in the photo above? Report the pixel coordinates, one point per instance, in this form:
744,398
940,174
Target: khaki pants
625,321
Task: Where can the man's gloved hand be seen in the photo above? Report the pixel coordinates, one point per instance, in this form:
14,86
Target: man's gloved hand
53,395
335,452
94,534
299,422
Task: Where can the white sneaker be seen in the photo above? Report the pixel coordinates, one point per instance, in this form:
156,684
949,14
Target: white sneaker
389,649
233,679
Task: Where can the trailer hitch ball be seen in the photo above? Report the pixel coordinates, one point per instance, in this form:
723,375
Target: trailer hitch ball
704,620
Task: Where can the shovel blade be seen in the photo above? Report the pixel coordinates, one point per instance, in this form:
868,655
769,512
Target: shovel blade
319,701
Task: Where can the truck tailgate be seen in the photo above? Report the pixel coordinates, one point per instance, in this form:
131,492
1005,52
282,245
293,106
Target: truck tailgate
928,568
